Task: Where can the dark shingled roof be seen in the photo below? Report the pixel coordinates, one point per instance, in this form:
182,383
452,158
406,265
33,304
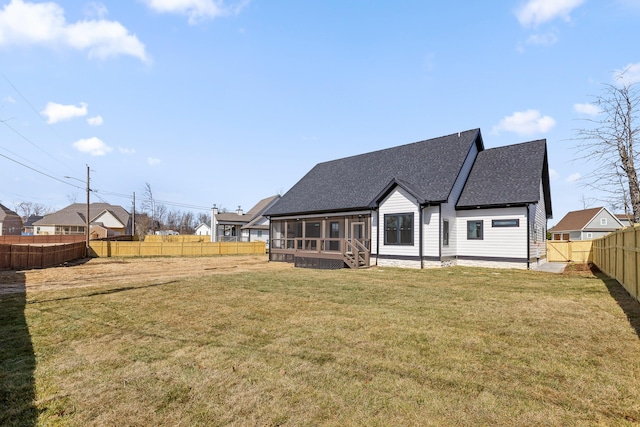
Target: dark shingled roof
429,168
509,175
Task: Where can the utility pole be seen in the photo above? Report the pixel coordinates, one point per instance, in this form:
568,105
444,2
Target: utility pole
133,222
88,247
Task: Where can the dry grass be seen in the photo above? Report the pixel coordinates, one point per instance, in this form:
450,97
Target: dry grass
306,347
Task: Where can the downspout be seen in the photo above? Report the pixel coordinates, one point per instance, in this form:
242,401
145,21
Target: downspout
378,235
420,214
269,239
440,233
528,237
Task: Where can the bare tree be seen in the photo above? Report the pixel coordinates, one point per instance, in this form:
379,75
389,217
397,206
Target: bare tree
26,209
155,211
610,145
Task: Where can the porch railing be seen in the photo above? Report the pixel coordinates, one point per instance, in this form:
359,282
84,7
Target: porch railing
355,252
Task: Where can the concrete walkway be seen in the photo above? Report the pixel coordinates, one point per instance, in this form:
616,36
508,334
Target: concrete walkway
550,267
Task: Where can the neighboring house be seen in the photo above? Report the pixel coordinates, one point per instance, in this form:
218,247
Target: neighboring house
243,227
625,220
203,230
10,222
585,224
438,202
105,221
27,228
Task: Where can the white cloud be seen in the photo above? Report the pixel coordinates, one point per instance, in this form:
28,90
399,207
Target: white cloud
586,108
153,161
553,174
10,99
58,112
44,24
126,150
546,39
536,12
96,9
196,10
574,177
525,123
95,121
94,146
628,75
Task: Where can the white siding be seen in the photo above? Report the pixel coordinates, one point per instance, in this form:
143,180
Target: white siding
431,231
538,236
448,210
399,201
203,230
44,229
256,238
109,221
374,233
501,242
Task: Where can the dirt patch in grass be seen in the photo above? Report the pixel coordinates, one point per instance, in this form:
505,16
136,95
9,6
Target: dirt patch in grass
581,269
119,271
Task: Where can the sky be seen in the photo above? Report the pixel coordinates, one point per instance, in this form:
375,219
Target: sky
226,103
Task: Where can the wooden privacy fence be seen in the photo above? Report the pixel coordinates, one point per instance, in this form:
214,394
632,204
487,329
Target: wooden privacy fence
617,255
152,238
125,249
567,251
43,239
18,257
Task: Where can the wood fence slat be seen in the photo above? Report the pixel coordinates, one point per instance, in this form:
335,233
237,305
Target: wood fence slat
617,255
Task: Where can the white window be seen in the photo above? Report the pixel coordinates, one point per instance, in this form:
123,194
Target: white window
590,235
603,221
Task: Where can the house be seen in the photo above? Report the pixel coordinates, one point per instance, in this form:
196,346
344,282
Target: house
625,219
585,224
105,221
27,227
242,227
203,230
438,202
10,222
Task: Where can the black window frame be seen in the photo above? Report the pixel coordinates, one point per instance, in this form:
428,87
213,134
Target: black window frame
481,229
504,223
398,231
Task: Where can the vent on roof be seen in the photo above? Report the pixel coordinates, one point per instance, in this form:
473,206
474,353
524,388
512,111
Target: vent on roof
239,210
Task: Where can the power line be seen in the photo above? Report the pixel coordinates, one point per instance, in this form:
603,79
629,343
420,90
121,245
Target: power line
4,122
40,172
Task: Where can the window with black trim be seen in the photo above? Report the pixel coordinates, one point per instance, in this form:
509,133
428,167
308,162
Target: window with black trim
474,230
505,222
445,233
398,229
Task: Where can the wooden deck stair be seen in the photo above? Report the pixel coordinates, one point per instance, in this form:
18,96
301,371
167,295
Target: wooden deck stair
356,255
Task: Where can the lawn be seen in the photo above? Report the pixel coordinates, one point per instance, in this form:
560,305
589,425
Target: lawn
299,347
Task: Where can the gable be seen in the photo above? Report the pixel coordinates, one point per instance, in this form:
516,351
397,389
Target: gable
109,220
428,167
610,222
507,176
